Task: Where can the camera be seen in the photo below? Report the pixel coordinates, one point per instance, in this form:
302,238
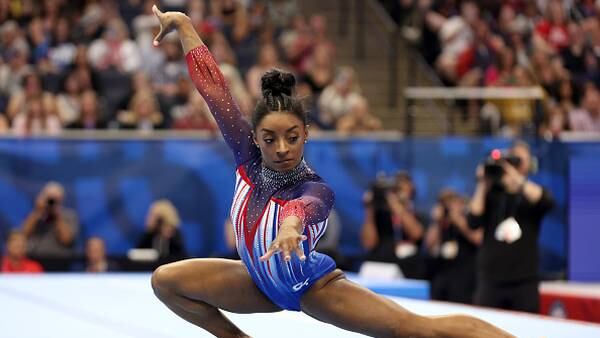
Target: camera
50,202
492,166
380,189
160,221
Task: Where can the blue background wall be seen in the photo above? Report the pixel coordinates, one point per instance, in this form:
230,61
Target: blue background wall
112,183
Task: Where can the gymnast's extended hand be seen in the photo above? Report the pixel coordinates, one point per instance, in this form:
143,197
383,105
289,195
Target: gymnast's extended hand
182,24
288,240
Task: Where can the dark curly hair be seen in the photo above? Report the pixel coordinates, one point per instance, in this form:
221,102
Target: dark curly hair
277,90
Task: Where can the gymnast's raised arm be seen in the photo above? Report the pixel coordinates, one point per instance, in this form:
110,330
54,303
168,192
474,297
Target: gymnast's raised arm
211,84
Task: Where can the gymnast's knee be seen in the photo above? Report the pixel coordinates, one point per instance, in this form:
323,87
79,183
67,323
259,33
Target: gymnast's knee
163,280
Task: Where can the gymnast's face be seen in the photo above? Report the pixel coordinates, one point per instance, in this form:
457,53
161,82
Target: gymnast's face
281,137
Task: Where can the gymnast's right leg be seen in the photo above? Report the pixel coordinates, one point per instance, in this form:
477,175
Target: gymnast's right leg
195,289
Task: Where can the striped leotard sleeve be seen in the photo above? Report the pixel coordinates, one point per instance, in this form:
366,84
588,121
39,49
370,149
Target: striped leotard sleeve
209,81
312,207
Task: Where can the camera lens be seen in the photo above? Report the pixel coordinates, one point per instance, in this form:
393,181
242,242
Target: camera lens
51,201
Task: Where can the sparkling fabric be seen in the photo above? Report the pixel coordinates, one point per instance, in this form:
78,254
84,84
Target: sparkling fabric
261,195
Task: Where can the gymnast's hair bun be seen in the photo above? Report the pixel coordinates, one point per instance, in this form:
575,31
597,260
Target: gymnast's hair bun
276,82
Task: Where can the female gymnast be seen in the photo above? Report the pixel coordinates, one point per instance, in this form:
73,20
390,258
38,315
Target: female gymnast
279,212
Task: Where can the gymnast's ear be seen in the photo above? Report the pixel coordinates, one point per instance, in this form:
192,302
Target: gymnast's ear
306,127
254,138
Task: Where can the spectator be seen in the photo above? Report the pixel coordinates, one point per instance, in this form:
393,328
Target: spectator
87,77
237,87
142,114
335,100
239,31
318,26
297,44
453,246
12,39
95,256
553,27
509,208
566,95
90,116
556,121
587,117
36,120
13,72
281,12
319,69
162,231
15,260
391,231
62,49
165,76
39,39
194,115
267,60
456,36
115,50
31,89
50,228
67,102
359,118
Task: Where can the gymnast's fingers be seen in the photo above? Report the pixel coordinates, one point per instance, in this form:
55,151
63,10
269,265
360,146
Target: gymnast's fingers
300,252
163,29
274,248
286,251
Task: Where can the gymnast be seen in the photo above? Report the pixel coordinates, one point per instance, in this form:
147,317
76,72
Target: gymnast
279,212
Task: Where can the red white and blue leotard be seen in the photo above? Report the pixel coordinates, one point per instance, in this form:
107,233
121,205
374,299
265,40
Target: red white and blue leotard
264,197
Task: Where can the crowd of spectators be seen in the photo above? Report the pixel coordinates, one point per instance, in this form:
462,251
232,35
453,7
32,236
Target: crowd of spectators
514,43
90,64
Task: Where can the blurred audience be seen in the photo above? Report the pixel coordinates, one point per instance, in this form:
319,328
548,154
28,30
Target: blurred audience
15,260
551,44
162,231
51,229
109,52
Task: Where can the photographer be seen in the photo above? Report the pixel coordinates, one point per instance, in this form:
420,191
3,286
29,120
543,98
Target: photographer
391,231
452,245
510,209
50,228
162,231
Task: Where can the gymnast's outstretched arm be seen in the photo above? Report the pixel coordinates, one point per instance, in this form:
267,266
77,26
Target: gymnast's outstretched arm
209,81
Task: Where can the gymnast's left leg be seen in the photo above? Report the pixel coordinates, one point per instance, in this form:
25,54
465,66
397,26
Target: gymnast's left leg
340,302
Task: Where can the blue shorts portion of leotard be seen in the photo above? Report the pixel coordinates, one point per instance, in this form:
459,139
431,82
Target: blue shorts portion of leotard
284,283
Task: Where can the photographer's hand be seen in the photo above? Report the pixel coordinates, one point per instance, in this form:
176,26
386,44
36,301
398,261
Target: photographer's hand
477,203
512,180
35,215
518,183
64,231
459,220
